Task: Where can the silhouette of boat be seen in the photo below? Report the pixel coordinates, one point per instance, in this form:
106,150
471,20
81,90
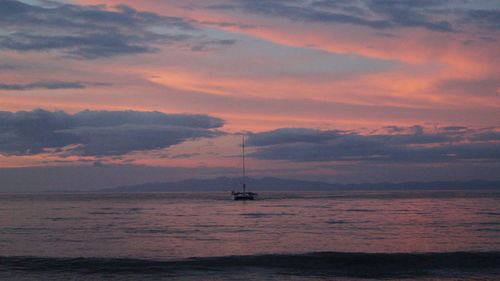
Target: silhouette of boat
243,195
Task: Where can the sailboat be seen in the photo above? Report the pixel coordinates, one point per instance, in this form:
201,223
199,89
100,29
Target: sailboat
243,195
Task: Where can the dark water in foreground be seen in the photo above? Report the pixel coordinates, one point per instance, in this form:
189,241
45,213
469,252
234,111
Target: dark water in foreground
395,235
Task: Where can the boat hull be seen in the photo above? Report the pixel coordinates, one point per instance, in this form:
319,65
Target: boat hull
243,195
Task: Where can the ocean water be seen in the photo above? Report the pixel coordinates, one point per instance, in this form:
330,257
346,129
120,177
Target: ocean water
363,235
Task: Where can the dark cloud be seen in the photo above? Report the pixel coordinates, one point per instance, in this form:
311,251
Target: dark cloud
296,10
87,31
206,45
486,136
126,138
293,135
395,129
98,133
440,16
453,128
21,15
79,46
488,19
7,66
412,144
346,6
403,13
221,6
228,24
376,14
180,156
91,118
488,39
413,130
50,84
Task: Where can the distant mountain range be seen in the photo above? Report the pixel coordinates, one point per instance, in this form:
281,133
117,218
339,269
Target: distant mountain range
277,184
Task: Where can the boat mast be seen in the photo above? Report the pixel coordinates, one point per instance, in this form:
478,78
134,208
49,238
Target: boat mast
243,162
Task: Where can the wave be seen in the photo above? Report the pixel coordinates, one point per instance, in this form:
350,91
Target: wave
322,263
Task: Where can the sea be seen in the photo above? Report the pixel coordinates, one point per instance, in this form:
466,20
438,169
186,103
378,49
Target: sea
342,235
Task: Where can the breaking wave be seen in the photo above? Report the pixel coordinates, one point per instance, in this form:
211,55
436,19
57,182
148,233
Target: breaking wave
322,263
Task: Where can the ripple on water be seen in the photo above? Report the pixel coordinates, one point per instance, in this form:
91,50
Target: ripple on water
263,215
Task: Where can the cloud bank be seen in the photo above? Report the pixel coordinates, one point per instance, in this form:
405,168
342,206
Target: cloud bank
392,144
99,133
50,84
436,16
87,32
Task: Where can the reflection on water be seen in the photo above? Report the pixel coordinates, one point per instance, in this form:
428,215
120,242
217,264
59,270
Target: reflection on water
178,225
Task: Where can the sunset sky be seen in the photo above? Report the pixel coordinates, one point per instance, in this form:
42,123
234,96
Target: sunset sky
100,93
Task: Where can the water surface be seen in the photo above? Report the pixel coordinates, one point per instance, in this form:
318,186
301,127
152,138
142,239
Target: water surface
174,227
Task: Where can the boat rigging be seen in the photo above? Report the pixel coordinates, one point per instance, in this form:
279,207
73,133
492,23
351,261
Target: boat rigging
243,195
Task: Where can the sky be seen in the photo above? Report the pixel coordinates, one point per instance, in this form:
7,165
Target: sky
100,93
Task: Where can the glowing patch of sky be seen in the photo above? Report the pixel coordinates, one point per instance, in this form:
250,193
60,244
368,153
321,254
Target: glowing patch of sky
262,72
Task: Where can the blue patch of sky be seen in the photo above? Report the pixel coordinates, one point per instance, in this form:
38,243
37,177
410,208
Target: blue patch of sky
285,60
